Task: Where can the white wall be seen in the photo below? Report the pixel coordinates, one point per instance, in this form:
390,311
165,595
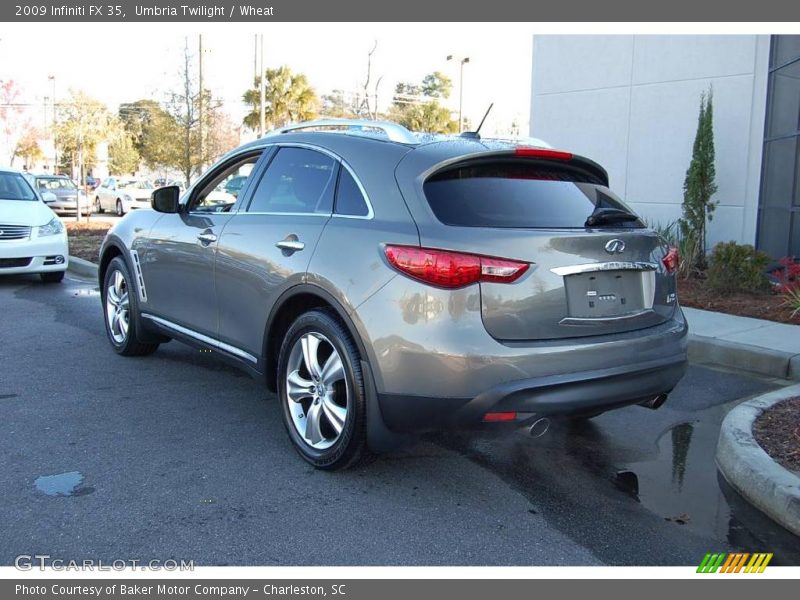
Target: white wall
631,104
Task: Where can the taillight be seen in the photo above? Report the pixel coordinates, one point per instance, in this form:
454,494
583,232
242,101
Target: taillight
452,269
672,260
543,153
499,417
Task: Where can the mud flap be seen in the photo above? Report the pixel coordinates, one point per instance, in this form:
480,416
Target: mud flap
380,438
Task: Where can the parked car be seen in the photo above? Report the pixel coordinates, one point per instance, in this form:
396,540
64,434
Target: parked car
65,194
123,194
386,284
32,238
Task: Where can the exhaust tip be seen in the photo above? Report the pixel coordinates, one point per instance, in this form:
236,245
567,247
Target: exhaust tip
655,403
539,427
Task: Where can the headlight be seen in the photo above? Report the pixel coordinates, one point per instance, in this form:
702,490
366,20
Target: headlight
54,227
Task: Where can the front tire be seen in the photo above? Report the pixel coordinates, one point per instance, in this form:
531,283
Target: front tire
121,310
322,393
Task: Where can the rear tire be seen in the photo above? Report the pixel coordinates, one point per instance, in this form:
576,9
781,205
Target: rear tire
98,208
120,210
322,394
52,277
121,311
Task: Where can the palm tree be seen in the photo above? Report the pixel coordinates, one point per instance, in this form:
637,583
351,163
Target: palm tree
288,98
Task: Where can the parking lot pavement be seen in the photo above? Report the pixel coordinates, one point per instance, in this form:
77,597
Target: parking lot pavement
179,456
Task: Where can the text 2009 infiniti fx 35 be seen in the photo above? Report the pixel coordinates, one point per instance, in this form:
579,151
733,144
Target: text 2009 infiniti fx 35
386,284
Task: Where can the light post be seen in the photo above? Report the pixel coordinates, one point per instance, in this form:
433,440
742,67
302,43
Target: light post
52,80
462,62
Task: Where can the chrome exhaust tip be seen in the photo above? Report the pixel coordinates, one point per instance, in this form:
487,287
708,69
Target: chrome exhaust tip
655,403
539,427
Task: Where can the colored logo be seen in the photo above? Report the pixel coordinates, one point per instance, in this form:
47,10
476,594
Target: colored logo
735,562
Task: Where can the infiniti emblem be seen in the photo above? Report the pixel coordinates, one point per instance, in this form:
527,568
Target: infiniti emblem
615,246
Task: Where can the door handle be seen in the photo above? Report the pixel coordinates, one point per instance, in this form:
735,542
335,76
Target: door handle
290,246
206,238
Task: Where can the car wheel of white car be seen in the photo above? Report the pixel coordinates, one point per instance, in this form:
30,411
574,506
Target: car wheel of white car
120,210
121,310
98,208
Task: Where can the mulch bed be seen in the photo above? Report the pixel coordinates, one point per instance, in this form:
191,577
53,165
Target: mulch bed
695,293
777,431
85,238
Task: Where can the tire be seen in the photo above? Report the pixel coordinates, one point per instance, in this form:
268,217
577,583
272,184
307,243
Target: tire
98,208
120,301
324,417
120,210
52,277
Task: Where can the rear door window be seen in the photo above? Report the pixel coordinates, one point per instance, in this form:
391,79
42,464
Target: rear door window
518,195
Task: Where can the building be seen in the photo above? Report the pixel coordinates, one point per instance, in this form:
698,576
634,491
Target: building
631,102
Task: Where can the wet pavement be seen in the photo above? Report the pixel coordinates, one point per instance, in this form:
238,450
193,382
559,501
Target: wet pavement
180,456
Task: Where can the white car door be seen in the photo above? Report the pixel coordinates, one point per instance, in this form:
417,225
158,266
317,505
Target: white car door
107,193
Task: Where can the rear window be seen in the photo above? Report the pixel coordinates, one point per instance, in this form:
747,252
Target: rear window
518,195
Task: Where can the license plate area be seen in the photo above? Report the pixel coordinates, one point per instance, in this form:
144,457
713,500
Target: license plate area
603,294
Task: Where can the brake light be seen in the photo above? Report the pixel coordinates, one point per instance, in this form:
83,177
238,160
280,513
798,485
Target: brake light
452,269
672,260
499,417
543,153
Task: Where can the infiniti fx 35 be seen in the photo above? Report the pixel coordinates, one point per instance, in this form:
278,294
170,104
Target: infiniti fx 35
385,283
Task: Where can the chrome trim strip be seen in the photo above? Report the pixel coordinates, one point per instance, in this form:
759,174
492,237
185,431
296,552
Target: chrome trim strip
202,338
394,131
605,266
598,321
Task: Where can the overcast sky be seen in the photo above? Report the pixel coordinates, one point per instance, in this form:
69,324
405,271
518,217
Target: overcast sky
126,61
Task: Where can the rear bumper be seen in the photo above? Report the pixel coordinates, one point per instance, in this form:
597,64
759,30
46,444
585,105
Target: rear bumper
586,391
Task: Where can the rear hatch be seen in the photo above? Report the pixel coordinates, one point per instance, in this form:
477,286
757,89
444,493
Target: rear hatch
595,268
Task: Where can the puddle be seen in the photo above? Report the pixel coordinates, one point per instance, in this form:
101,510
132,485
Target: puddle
63,484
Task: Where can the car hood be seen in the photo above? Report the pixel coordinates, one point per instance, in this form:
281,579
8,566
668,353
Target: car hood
137,193
24,212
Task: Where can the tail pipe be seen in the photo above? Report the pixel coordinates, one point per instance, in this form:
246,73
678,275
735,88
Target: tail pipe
539,427
655,402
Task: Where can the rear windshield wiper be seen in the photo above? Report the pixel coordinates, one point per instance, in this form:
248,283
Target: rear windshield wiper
606,216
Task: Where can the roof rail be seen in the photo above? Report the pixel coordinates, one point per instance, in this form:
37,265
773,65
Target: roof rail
393,131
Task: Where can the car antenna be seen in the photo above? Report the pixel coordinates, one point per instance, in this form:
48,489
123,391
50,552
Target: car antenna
476,135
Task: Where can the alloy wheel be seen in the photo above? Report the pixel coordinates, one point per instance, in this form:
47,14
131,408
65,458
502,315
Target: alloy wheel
317,391
117,307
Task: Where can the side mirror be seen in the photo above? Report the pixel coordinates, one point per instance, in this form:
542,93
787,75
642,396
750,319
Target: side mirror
166,199
49,197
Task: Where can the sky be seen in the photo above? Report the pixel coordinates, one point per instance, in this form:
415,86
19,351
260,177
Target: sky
126,61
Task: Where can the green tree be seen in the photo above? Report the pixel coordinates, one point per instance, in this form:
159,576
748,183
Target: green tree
338,105
416,106
289,98
123,158
28,148
700,185
154,132
83,122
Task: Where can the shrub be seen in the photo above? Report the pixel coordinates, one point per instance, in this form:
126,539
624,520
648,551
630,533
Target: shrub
791,299
737,268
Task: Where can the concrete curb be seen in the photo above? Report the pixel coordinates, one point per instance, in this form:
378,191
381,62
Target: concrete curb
748,469
764,361
81,267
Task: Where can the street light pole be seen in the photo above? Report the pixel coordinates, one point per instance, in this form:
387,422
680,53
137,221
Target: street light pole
52,79
462,62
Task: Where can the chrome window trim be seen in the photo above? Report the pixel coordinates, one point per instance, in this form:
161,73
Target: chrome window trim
370,212
605,266
201,338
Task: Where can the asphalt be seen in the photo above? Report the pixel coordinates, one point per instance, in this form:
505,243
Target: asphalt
180,456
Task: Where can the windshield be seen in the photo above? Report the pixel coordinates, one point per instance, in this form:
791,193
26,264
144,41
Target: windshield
14,187
54,183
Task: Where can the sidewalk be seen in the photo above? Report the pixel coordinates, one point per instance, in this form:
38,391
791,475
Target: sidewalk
755,345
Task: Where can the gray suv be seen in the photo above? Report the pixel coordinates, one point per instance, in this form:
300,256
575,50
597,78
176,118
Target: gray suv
386,283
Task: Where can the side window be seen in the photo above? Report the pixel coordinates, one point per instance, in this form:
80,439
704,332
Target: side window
222,190
349,199
297,180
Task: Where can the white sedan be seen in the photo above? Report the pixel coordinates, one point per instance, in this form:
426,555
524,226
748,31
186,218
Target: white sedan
32,238
122,195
